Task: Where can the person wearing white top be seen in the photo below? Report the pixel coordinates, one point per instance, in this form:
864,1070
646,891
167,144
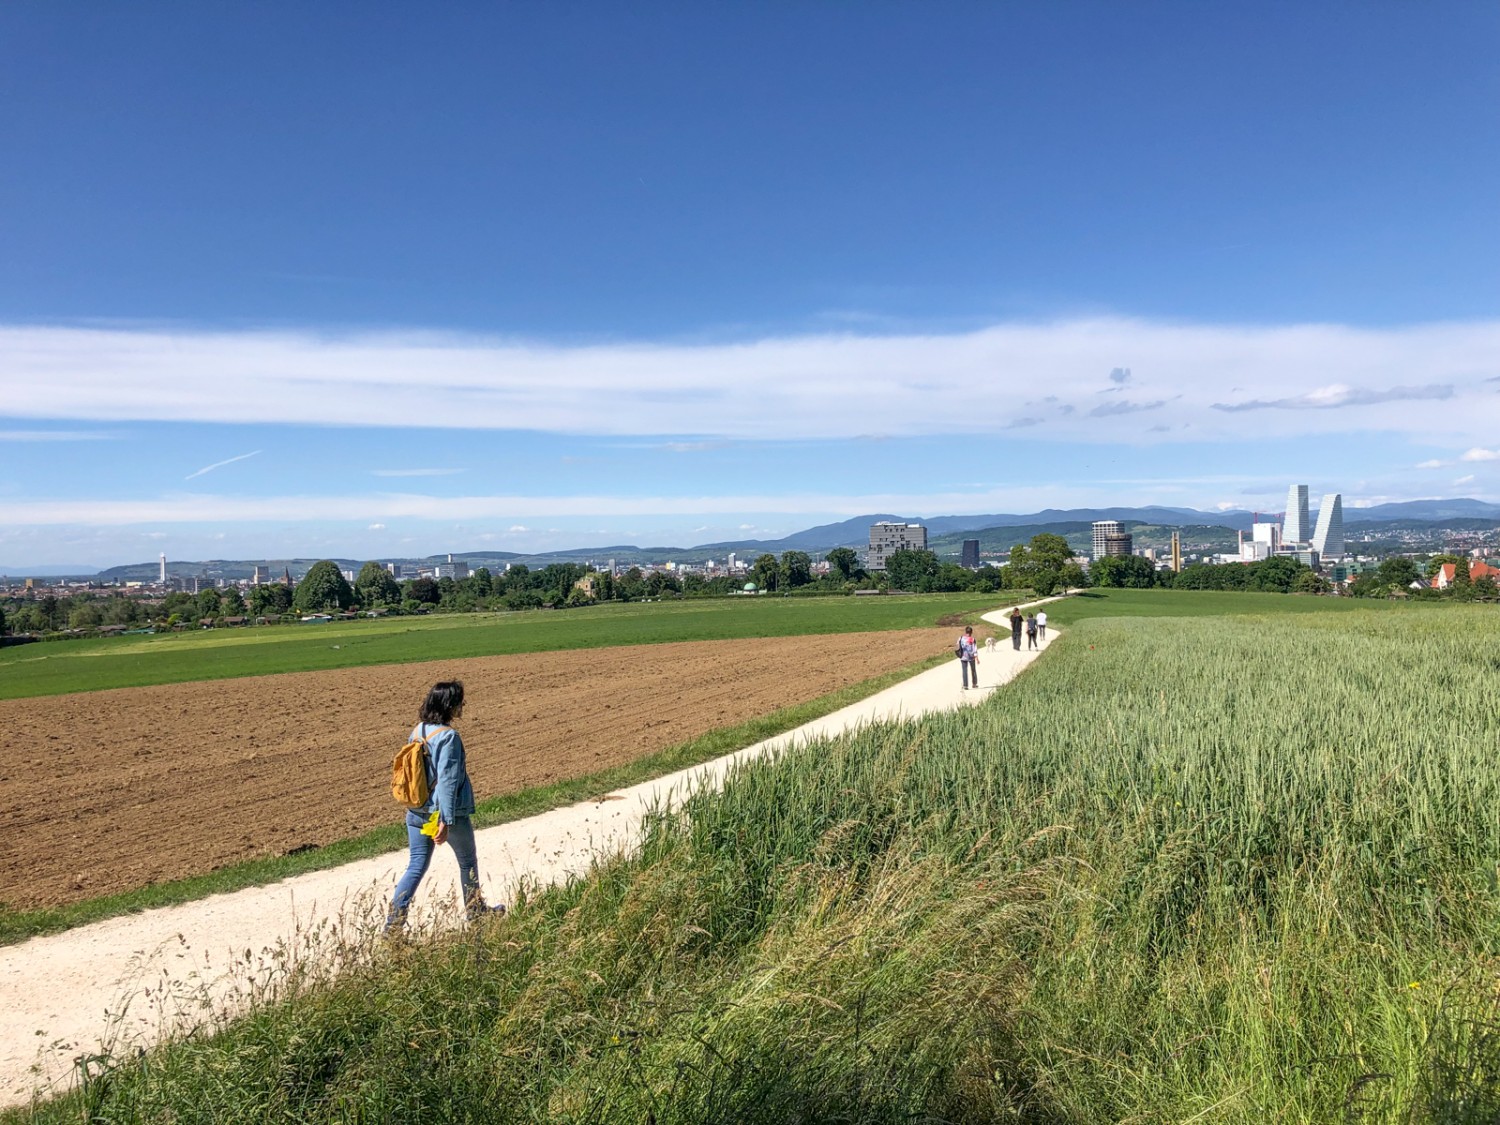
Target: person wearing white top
1041,624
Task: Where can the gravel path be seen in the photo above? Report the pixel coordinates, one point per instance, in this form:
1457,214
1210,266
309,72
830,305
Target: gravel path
130,981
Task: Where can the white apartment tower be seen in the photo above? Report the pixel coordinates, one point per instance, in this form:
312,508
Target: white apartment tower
161,575
1328,539
1295,528
1104,531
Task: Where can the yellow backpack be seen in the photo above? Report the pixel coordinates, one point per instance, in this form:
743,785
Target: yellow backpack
410,770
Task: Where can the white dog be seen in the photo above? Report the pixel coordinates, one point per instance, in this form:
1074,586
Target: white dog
989,644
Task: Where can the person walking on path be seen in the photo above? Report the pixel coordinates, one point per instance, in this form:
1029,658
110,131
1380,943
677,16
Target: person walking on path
968,657
1015,629
1041,624
446,817
1031,630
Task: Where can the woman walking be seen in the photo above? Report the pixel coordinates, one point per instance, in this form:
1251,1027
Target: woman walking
445,818
1031,630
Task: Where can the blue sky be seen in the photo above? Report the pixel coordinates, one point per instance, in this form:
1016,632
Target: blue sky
281,280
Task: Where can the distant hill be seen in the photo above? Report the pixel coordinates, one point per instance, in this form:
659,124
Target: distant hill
997,532
1428,510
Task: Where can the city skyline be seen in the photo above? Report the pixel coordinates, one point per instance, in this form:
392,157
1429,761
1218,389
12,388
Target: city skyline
536,282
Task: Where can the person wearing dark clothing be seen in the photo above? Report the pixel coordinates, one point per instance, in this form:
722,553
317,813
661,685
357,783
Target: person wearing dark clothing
1031,630
1015,629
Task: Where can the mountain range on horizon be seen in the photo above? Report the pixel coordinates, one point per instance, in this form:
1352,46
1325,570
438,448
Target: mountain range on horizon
852,532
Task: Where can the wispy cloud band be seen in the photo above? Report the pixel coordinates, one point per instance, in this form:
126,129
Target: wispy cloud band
1197,381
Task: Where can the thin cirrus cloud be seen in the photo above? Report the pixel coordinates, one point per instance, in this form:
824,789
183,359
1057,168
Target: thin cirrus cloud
1291,381
1478,454
414,472
56,435
221,464
1338,395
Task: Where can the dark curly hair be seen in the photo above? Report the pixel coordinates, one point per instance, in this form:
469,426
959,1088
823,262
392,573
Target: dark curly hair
444,701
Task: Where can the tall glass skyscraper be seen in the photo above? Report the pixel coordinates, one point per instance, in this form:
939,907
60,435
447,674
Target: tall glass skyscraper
1295,527
1328,539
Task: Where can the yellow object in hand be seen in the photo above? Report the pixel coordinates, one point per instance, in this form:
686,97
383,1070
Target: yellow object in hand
430,826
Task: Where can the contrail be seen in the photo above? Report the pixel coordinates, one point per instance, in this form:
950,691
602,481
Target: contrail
219,465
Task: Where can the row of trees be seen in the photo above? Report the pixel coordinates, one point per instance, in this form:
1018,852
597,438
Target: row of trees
1044,564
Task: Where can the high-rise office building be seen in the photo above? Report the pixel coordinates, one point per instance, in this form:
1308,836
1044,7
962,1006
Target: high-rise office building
1295,527
1104,531
1328,539
970,556
888,538
162,573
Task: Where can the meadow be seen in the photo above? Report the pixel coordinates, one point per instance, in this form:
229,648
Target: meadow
1172,873
216,654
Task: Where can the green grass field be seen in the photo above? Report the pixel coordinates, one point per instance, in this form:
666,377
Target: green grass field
91,665
1174,874
1202,603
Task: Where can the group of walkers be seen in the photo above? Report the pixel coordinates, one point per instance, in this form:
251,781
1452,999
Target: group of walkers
1034,625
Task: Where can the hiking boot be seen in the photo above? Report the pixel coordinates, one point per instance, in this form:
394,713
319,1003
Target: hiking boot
487,913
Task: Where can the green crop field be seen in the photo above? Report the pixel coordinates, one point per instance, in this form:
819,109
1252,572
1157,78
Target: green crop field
1197,872
1203,603
132,661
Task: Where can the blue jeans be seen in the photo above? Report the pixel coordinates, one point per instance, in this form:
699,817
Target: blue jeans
461,840
970,669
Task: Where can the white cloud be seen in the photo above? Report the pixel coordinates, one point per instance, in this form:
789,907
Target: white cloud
518,529
221,464
1465,480
1433,464
1481,455
376,527
1424,381
55,435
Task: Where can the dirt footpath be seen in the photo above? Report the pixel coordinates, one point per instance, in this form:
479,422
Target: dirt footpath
114,790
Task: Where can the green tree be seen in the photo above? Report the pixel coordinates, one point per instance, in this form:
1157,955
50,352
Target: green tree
1123,572
481,582
49,612
375,586
233,602
1277,574
796,569
1309,582
122,611
1485,588
85,616
660,582
322,588
1397,571
270,599
631,585
424,590
209,602
1039,564
912,570
766,572
844,563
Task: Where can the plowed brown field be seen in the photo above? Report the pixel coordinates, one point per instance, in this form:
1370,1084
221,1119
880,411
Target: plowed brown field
112,790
